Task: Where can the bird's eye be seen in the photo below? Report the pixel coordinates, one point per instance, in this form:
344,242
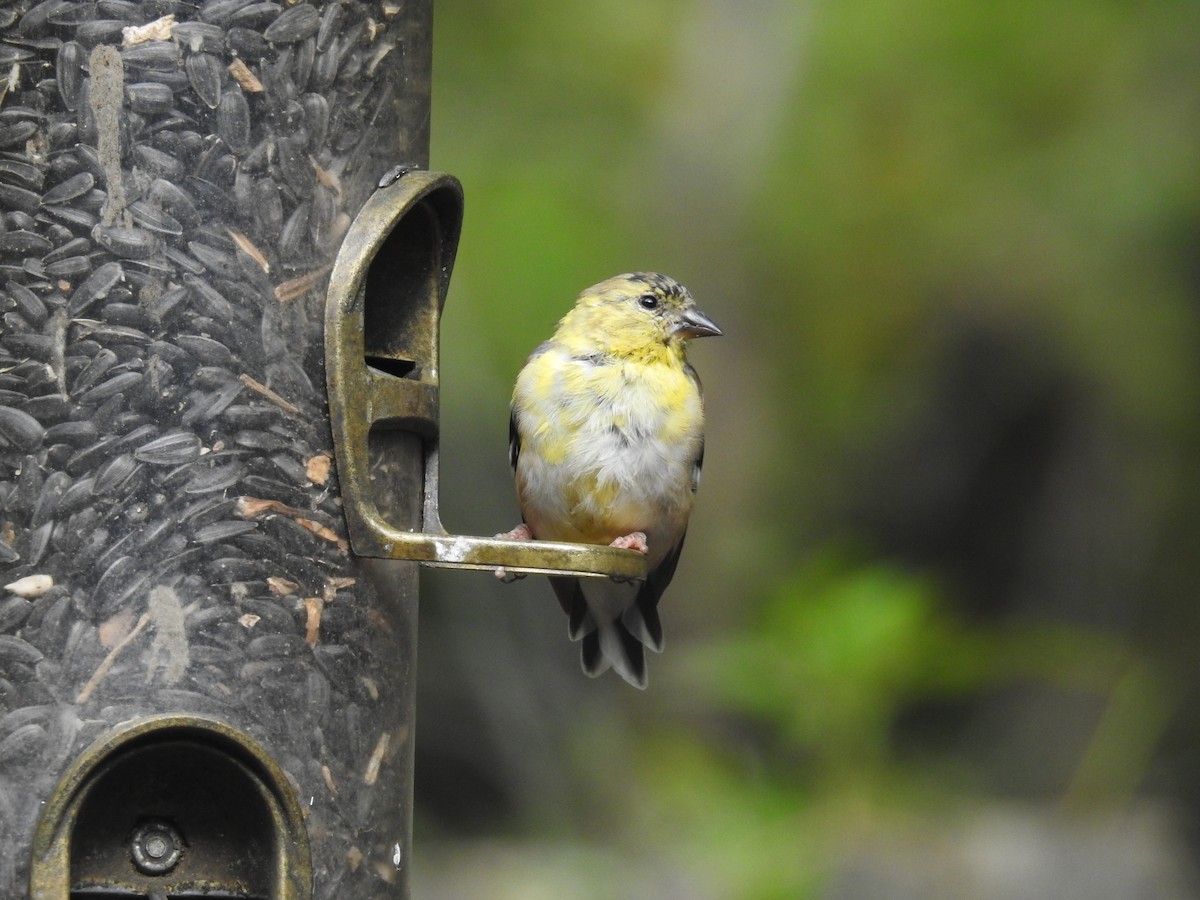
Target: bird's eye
648,301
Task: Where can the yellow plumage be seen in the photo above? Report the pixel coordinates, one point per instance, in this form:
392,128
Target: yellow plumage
607,440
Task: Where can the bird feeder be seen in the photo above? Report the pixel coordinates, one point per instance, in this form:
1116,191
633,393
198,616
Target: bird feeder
219,445
381,343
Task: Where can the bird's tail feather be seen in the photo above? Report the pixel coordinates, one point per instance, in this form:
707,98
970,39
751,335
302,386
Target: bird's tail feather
612,645
612,635
580,621
570,597
642,622
594,662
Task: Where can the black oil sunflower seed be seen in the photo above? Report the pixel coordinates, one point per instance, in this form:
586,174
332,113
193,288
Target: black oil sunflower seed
294,25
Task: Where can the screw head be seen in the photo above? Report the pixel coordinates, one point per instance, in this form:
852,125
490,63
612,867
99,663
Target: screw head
156,847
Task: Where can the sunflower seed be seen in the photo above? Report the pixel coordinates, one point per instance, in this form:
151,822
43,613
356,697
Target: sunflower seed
331,23
125,241
218,12
255,15
218,478
76,432
20,430
24,243
16,134
247,44
205,74
73,216
23,746
11,55
70,247
53,488
169,449
173,200
200,37
21,172
149,97
117,384
233,119
212,259
222,531
19,198
115,474
99,31
150,217
69,72
95,369
157,162
94,287
15,650
206,349
73,13
207,511
13,612
152,55
120,9
294,25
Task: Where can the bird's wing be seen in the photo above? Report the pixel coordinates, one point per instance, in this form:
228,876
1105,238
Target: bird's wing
698,463
514,439
641,618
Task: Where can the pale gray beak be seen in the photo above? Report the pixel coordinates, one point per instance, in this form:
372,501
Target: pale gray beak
694,324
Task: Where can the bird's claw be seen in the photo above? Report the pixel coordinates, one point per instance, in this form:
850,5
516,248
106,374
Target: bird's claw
635,541
520,533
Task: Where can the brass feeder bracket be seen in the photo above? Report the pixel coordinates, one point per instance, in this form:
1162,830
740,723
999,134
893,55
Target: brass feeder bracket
382,319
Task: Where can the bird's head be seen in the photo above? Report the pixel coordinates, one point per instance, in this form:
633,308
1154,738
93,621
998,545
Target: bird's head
641,313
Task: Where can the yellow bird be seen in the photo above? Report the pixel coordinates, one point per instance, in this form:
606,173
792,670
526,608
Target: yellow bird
606,441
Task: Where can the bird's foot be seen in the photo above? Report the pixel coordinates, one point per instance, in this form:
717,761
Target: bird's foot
520,533
635,541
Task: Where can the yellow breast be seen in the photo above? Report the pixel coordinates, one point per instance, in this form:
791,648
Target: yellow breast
606,447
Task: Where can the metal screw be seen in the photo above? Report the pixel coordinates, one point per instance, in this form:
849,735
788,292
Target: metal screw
395,173
156,847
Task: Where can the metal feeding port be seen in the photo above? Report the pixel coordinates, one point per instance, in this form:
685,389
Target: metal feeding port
172,806
382,318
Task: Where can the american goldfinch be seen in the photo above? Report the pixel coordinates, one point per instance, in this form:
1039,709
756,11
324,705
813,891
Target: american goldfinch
606,441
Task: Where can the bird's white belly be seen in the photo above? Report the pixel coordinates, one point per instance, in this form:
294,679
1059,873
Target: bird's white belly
614,477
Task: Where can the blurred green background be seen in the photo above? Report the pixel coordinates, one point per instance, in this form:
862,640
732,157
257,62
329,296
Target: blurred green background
934,633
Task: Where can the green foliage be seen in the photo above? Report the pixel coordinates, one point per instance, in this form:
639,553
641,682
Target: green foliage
819,676
833,655
841,648
791,756
947,158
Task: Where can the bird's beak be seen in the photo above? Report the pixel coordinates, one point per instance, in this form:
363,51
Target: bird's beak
694,324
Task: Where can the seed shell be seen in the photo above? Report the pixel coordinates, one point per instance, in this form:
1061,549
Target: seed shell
169,449
294,25
205,74
20,430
